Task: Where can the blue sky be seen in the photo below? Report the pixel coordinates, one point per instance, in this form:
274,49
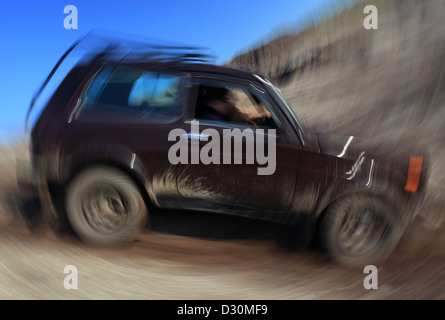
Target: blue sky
33,36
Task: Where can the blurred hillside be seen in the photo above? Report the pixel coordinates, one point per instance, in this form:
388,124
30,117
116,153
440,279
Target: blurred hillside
385,84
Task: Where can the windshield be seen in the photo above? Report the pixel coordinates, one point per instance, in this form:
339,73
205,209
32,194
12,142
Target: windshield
283,100
277,91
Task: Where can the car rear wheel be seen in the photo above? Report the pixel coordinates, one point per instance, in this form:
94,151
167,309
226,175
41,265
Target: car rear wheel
361,229
104,206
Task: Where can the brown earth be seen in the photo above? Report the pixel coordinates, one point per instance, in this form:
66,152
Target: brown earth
385,84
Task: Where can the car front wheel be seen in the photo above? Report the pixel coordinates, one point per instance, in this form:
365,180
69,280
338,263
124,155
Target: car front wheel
360,229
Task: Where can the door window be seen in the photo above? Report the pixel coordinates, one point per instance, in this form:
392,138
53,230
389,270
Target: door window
234,103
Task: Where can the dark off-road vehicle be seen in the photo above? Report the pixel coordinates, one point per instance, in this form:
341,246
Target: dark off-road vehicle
154,126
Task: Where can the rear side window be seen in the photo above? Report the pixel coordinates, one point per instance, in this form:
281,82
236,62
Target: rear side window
125,94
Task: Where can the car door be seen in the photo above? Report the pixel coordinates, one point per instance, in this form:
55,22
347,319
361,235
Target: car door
235,165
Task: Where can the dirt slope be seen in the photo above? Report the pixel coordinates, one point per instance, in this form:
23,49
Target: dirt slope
385,84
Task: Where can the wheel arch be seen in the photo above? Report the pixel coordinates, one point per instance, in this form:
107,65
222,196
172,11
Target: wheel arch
383,191
99,153
135,175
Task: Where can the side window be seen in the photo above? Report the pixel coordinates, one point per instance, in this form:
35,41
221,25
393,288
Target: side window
233,103
126,94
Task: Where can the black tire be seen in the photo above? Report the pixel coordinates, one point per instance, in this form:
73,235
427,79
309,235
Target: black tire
104,206
359,230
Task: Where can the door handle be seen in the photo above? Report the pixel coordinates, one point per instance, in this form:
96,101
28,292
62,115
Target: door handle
196,136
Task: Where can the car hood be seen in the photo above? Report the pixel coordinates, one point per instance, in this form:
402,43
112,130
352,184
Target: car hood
352,147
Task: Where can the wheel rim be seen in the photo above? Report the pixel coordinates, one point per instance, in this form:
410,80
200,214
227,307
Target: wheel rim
361,231
105,209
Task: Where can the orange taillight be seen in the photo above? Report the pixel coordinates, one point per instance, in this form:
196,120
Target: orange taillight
413,178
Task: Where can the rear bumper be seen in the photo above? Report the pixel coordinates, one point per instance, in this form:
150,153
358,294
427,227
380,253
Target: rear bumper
25,175
32,176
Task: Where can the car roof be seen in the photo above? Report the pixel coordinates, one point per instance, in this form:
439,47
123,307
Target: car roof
195,68
100,49
200,68
223,69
